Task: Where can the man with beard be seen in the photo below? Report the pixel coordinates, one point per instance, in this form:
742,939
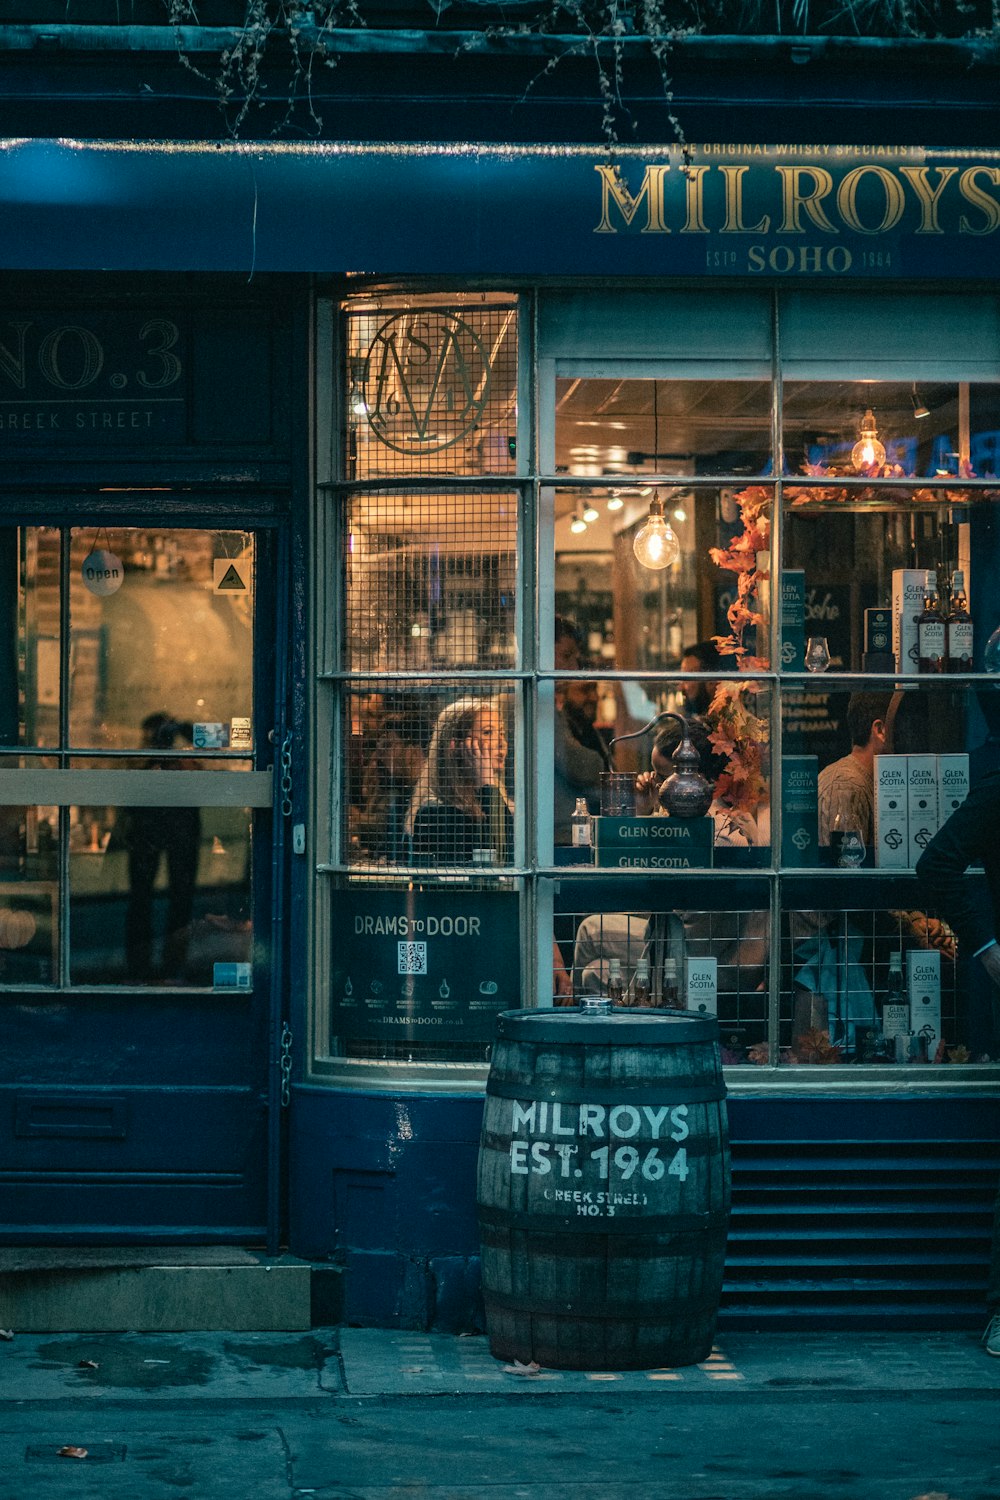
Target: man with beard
580,752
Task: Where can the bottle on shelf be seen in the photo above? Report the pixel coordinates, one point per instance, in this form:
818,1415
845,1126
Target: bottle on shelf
640,985
959,626
580,825
846,840
671,988
931,650
616,985
895,1018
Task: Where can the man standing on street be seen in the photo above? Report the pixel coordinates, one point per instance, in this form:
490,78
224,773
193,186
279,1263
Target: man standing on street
972,836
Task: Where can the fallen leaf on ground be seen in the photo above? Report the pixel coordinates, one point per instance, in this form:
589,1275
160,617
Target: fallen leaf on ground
70,1452
518,1369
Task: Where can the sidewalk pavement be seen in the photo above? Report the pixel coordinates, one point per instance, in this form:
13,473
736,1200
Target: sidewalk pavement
367,1363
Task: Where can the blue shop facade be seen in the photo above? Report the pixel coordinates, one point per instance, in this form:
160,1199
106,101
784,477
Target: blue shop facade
310,450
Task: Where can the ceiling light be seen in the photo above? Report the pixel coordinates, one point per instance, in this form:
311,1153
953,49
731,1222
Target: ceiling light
655,545
868,452
590,512
577,524
680,514
919,409
615,501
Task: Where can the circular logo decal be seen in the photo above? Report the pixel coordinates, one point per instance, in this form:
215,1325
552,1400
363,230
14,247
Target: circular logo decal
427,378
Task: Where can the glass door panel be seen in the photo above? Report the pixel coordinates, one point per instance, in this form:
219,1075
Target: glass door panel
137,644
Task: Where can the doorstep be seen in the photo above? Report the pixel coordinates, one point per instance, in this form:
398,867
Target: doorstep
152,1289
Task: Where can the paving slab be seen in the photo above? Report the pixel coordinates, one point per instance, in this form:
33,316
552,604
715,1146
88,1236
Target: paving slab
380,1362
181,1366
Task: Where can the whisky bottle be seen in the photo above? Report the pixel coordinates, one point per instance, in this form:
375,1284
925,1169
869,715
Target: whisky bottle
931,630
580,824
959,627
640,985
671,989
616,986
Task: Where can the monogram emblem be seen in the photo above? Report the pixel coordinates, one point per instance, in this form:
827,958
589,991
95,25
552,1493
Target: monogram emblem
427,378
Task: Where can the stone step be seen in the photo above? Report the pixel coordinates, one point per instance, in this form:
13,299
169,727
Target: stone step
150,1289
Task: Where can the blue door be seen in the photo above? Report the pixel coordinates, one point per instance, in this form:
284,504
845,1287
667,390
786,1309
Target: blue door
137,732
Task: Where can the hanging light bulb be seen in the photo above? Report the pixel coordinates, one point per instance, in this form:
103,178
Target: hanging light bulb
655,545
577,524
868,452
615,501
590,513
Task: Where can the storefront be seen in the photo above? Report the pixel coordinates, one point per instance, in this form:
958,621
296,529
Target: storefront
444,620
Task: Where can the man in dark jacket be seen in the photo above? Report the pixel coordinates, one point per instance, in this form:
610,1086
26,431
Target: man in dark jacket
972,836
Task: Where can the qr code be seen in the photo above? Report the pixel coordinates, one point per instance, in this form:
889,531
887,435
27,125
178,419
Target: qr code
412,958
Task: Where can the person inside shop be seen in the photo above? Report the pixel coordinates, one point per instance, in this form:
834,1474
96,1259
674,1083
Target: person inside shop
846,787
581,753
151,835
971,836
704,656
389,776
459,811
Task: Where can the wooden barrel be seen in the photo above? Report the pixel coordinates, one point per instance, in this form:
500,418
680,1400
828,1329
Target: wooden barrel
603,1188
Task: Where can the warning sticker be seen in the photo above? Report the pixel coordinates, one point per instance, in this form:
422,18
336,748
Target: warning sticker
240,735
232,575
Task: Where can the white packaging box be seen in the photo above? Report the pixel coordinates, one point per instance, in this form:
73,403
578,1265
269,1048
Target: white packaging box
923,987
891,843
921,803
702,986
953,784
908,586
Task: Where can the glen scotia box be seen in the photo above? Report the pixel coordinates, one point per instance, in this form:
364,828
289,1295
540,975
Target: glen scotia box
799,811
921,804
701,985
907,601
891,843
923,976
793,619
953,783
654,843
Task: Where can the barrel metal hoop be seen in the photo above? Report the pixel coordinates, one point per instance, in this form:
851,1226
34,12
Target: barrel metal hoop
635,1312
621,1091
651,1224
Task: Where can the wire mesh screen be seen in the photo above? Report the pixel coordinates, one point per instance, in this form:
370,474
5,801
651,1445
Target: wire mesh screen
430,580
431,389
430,774
840,1002
707,961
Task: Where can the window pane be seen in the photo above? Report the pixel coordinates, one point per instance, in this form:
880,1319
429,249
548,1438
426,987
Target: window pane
29,664
430,776
840,1004
915,426
614,748
28,895
684,957
431,581
432,387
629,607
160,895
171,645
627,427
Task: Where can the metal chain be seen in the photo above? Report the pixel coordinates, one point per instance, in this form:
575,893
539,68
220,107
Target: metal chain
286,776
286,1064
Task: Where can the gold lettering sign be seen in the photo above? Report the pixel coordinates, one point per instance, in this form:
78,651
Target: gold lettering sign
426,383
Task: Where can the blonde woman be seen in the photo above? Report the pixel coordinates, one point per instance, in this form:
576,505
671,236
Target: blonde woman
459,812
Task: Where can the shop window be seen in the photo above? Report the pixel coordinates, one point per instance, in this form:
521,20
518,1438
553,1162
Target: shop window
793,508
